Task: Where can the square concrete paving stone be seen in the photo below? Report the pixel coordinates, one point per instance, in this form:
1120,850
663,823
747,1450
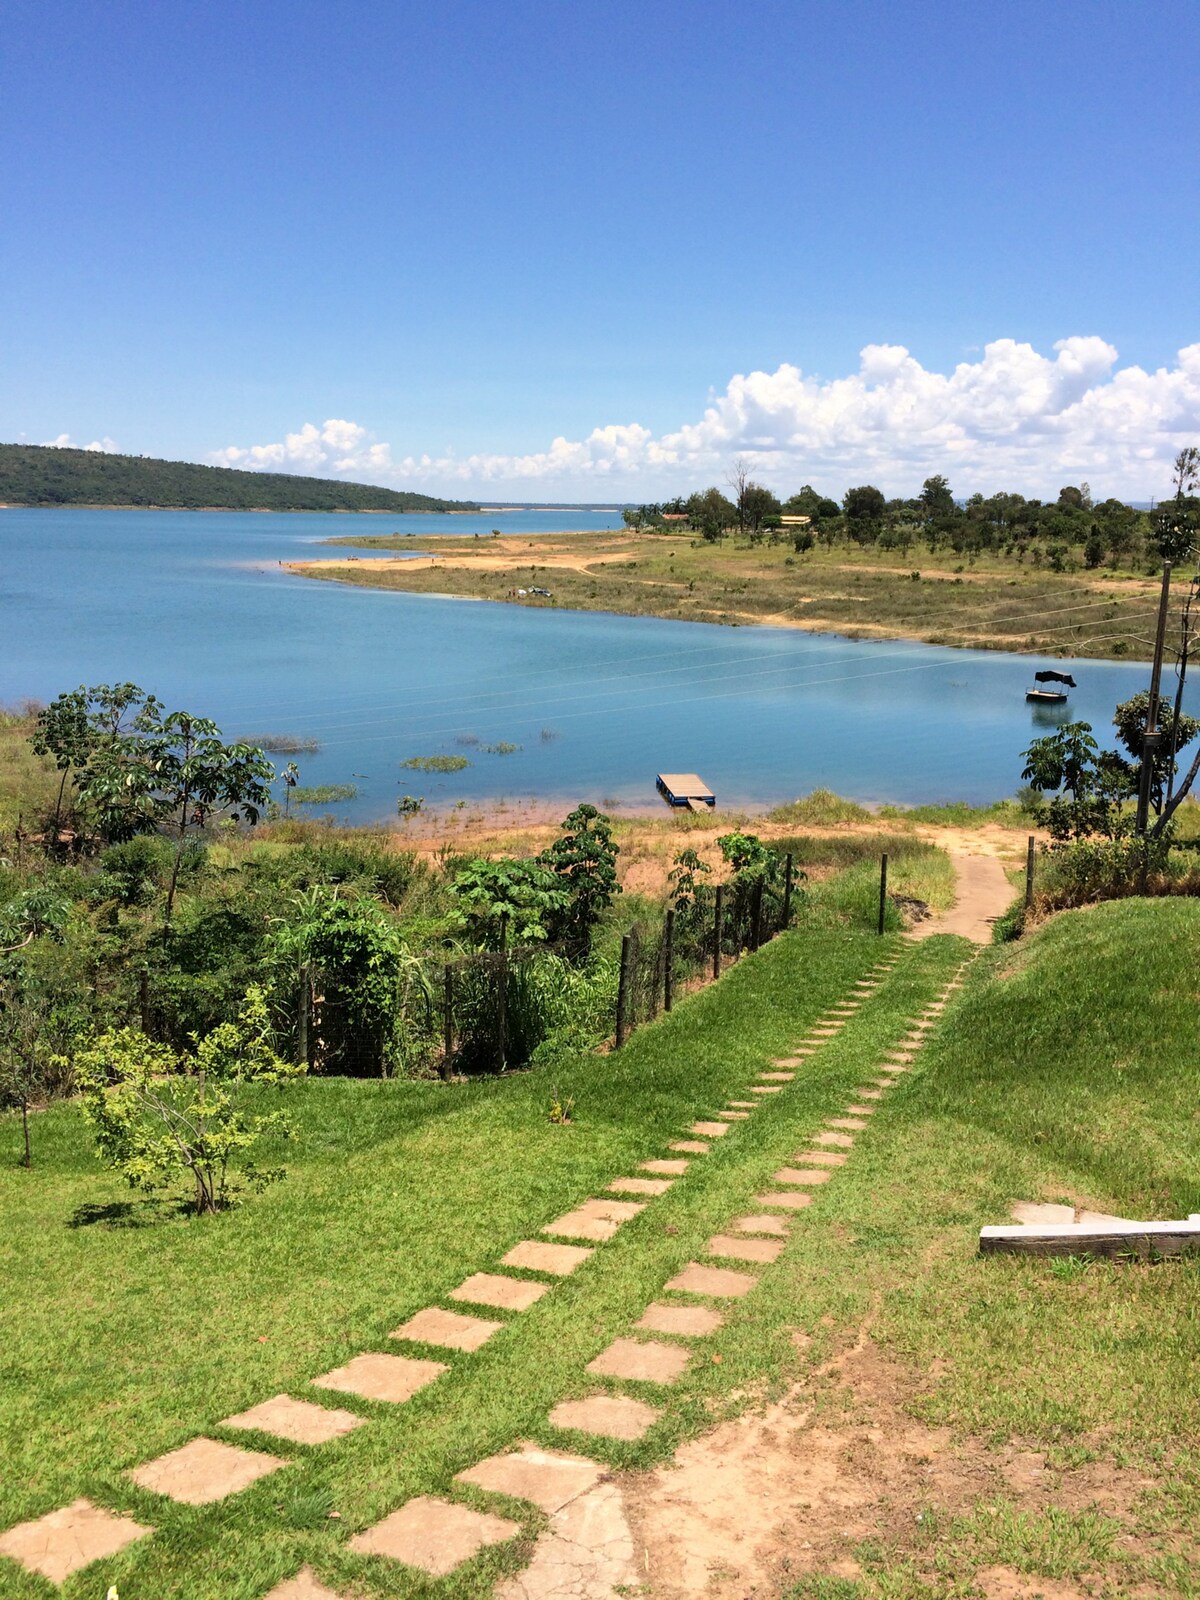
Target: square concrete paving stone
860,1111
615,1416
543,1477
204,1470
448,1328
65,1541
720,1282
690,1147
855,1123
734,1116
761,1224
536,1255
433,1535
743,1105
842,1139
297,1420
778,1077
613,1210
304,1586
506,1294
651,1361
786,1200
766,1088
666,1169
710,1130
583,1225
641,1185
820,1158
870,1094
721,1244
393,1379
693,1322
808,1175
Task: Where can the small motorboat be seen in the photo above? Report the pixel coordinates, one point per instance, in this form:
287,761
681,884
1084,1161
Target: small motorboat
1044,695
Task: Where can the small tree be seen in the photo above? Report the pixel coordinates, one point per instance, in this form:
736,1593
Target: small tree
1088,787
584,861
157,1115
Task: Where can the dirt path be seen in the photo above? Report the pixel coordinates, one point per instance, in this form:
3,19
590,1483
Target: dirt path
984,893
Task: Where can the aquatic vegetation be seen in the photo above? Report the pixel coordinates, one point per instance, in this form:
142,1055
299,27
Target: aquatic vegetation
436,763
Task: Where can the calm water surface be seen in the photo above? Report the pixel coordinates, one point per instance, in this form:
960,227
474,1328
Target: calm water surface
193,606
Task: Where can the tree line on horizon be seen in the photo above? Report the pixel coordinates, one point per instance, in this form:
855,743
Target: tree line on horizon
50,475
1055,533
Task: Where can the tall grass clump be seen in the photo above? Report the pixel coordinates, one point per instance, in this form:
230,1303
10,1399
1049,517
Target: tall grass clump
821,808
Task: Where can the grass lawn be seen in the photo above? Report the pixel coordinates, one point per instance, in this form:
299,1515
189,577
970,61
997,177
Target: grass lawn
988,602
128,1329
1065,1070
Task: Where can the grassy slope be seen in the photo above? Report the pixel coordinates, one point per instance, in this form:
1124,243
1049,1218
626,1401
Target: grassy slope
1044,1082
122,1341
990,603
1068,1072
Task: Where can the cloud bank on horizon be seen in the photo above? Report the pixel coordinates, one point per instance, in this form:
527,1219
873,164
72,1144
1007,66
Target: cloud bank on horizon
1012,419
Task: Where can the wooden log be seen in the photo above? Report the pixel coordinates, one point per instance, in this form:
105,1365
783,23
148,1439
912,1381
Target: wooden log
1144,1241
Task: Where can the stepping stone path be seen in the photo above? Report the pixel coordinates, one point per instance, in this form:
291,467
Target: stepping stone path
745,1105
735,1116
821,1158
690,1321
778,1077
543,1477
691,1147
835,1138
760,1224
204,1470
612,1415
536,1255
66,1541
742,1249
855,1124
710,1130
667,1169
433,1535
649,1362
506,1294
805,1175
304,1586
644,1185
861,1111
448,1328
719,1282
297,1420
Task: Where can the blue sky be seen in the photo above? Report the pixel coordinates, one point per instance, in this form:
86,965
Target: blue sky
459,233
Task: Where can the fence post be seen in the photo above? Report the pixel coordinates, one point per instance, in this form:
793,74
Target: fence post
787,893
623,989
882,891
717,930
1029,860
756,917
302,1020
502,1011
668,960
447,1017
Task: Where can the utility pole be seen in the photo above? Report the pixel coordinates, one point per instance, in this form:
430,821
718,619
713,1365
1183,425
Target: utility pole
1151,738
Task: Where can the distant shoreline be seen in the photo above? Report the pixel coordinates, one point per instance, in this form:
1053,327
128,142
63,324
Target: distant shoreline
265,511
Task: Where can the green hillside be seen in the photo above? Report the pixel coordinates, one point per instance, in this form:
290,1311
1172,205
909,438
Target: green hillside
43,475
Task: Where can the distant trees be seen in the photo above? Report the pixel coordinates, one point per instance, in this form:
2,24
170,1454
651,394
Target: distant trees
864,509
711,513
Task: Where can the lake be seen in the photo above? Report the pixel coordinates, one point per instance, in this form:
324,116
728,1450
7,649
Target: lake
193,606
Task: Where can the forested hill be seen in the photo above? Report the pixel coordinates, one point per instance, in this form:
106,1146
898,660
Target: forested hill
45,475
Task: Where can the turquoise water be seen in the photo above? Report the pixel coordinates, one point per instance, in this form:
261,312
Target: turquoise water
193,606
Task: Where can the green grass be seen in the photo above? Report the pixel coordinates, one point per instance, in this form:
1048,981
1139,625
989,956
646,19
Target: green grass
1066,1073
128,1328
1066,1070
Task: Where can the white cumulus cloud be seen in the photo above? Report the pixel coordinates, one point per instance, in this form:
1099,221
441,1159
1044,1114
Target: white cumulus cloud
1010,417
105,446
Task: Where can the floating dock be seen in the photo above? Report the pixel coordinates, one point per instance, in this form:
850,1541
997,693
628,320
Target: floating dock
685,791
